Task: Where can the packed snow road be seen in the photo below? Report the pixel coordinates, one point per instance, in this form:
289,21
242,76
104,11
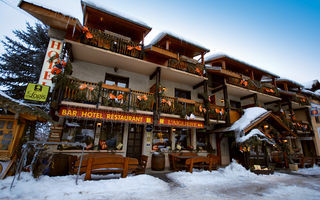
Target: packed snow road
232,182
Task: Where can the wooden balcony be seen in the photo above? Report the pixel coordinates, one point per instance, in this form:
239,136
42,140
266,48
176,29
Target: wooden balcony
254,85
113,43
301,100
194,68
107,95
132,100
186,107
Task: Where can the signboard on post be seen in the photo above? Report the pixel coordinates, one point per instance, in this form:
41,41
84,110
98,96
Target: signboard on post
36,92
54,50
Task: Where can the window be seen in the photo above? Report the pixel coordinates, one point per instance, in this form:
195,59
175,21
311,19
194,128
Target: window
182,94
81,131
235,104
161,139
111,136
6,131
203,140
183,139
118,81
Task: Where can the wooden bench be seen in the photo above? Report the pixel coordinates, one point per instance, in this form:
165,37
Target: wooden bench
215,160
199,162
105,164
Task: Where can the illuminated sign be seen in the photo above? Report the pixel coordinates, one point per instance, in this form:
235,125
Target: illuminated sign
36,92
125,117
105,115
54,50
181,122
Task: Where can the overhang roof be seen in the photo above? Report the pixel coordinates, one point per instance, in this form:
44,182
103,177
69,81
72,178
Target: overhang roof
24,110
225,57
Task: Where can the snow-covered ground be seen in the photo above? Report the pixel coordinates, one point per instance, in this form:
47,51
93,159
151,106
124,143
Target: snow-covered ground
232,182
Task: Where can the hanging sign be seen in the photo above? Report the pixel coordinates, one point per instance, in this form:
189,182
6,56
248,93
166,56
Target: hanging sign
105,115
315,109
54,50
36,92
181,122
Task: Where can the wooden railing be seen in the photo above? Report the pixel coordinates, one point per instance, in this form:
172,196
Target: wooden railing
125,98
113,43
254,85
107,95
186,66
301,100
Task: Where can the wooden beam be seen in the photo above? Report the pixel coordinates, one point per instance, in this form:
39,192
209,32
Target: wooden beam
199,85
155,73
272,102
223,64
248,96
226,101
202,58
217,89
252,75
163,52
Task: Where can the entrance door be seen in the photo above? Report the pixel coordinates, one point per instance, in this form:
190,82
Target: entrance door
134,146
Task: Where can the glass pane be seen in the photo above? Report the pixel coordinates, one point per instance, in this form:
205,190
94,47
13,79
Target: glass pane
110,82
122,85
2,122
9,124
161,139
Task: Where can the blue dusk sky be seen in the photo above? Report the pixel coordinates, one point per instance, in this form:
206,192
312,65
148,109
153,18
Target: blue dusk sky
281,36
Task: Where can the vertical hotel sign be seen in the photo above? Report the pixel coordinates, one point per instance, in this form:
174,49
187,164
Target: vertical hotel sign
54,49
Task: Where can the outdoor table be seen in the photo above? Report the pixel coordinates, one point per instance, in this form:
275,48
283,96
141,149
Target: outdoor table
179,161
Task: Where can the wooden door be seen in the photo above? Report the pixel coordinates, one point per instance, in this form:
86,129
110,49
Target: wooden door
134,146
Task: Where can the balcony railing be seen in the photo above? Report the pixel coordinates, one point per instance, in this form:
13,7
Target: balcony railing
113,43
186,66
107,95
128,99
301,100
254,85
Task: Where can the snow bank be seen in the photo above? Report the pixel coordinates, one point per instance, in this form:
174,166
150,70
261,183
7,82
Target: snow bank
315,170
250,114
232,182
64,187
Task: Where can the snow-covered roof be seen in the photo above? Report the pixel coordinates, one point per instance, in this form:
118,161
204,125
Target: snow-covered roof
161,35
249,116
12,99
254,133
309,84
316,93
218,55
17,106
70,8
290,81
102,6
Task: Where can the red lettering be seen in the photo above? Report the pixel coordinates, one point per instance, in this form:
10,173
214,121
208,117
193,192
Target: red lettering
56,56
53,44
47,75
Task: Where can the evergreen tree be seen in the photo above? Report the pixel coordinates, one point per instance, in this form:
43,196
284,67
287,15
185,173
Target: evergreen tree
23,58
